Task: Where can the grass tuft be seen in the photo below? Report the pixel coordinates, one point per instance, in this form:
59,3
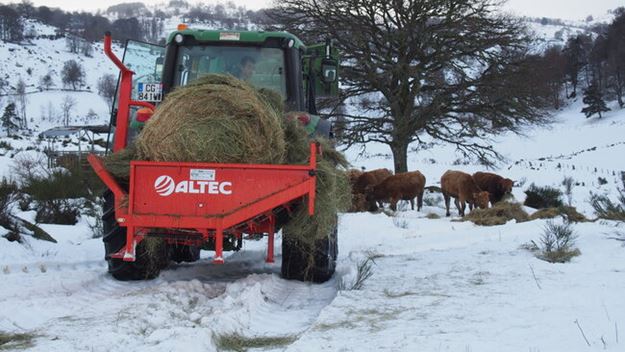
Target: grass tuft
13,341
558,243
237,342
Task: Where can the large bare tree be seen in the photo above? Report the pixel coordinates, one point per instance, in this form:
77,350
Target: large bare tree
421,70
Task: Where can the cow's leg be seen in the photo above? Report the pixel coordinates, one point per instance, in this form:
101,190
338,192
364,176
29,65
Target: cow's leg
461,206
394,203
447,199
420,201
412,203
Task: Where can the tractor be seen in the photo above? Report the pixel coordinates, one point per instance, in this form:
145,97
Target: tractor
191,206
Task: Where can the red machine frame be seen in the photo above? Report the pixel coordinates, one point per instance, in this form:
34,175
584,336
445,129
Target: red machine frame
161,195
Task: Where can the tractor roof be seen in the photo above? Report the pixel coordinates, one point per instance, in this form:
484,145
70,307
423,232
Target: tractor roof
232,36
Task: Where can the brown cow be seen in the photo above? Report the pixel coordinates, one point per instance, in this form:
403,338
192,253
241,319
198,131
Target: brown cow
353,175
372,178
496,186
403,186
463,189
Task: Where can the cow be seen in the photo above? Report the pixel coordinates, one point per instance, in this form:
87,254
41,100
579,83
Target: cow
463,189
496,186
403,186
368,178
353,175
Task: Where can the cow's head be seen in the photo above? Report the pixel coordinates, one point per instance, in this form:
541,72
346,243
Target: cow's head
481,199
506,185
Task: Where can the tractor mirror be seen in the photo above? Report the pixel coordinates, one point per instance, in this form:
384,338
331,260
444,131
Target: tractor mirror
328,71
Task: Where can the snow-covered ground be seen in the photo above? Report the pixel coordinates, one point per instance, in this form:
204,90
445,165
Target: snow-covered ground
437,284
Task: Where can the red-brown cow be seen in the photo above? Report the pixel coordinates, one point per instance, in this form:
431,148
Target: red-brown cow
463,189
403,186
370,178
496,186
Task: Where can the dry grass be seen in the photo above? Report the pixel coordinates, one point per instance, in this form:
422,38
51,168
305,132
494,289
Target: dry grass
500,214
217,118
569,213
15,341
237,342
432,216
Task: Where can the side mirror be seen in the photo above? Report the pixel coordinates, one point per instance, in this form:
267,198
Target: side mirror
329,71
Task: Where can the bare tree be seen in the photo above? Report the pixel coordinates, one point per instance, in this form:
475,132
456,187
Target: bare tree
72,74
20,91
421,70
73,43
107,85
67,105
46,82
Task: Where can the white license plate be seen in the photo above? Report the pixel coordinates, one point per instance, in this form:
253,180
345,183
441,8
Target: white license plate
150,91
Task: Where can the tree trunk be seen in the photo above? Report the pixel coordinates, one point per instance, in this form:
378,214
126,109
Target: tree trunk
400,156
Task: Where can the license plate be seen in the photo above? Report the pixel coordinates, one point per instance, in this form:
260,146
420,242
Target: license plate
150,91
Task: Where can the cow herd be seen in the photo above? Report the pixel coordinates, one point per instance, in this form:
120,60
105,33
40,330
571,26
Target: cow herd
371,189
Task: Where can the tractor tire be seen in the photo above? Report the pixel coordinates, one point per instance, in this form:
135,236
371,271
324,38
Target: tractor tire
295,264
189,254
146,265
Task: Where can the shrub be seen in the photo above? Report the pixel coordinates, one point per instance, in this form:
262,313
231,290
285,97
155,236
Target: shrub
568,184
52,195
364,270
543,197
605,208
558,241
8,190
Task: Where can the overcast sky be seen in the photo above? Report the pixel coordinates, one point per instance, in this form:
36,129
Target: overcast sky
564,9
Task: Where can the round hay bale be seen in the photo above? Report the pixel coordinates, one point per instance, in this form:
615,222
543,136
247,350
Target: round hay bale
217,118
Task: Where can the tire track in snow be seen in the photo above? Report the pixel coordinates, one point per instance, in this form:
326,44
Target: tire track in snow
186,302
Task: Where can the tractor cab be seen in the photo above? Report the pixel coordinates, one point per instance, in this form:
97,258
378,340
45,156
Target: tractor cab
271,60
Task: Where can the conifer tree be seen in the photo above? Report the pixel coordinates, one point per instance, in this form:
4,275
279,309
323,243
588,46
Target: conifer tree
9,118
594,101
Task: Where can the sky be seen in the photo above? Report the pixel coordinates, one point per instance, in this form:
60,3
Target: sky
564,9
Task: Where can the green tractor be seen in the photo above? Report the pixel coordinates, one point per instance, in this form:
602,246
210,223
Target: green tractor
273,60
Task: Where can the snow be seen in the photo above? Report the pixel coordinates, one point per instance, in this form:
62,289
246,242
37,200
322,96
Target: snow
437,284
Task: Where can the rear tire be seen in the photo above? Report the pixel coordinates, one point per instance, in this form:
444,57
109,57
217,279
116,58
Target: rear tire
180,253
295,259
146,265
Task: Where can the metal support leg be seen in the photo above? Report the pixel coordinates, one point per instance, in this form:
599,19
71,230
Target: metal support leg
270,239
219,246
129,255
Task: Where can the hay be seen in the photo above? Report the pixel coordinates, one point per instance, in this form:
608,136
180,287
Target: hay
569,213
217,118
499,214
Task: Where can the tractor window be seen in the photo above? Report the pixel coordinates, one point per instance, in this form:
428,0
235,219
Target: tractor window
262,67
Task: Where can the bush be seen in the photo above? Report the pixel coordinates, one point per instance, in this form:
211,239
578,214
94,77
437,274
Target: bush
52,195
558,243
605,208
543,197
8,190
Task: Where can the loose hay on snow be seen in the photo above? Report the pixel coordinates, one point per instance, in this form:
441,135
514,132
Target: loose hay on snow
569,213
499,214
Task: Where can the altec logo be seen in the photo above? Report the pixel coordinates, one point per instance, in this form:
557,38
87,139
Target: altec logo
165,186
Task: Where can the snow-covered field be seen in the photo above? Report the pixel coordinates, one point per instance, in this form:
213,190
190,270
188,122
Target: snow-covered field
437,284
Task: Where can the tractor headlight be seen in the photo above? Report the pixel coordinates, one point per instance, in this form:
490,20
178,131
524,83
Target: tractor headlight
178,38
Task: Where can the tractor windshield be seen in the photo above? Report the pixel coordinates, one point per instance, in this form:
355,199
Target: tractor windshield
261,67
